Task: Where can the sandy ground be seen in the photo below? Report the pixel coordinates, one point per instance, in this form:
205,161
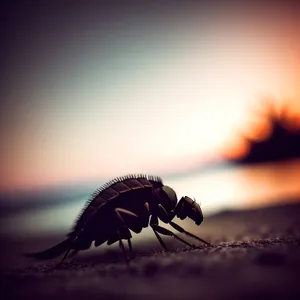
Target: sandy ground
254,255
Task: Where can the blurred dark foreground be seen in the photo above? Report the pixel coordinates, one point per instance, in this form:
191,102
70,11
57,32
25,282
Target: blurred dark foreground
255,254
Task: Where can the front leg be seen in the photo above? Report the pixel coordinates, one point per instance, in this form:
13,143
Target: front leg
180,229
165,217
168,232
158,229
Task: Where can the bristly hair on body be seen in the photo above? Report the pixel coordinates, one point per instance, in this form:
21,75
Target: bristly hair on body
105,200
108,184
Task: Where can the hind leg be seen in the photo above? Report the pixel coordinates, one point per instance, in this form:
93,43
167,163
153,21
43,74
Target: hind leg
129,220
73,253
65,256
126,221
82,245
123,248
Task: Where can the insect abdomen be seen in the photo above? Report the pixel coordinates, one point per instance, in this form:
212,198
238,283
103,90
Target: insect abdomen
113,192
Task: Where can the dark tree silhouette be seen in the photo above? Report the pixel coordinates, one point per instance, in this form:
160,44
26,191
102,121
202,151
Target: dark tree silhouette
282,143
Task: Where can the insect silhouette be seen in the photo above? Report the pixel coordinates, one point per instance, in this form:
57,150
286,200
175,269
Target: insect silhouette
124,204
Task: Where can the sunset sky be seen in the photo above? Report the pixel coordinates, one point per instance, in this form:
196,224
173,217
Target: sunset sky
97,94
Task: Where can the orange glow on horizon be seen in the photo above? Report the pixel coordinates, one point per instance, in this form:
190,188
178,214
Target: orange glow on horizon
290,116
235,148
259,129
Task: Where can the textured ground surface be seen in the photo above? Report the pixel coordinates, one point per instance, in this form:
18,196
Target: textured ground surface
255,255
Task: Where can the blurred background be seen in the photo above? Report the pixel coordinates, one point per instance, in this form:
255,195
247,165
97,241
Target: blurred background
207,96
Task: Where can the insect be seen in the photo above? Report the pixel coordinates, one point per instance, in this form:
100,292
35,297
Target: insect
124,204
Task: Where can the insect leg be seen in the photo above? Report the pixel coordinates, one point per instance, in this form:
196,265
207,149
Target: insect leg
74,252
168,232
160,240
180,229
129,246
154,221
145,214
129,219
65,256
123,248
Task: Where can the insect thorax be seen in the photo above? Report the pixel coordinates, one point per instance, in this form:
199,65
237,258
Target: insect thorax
165,196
